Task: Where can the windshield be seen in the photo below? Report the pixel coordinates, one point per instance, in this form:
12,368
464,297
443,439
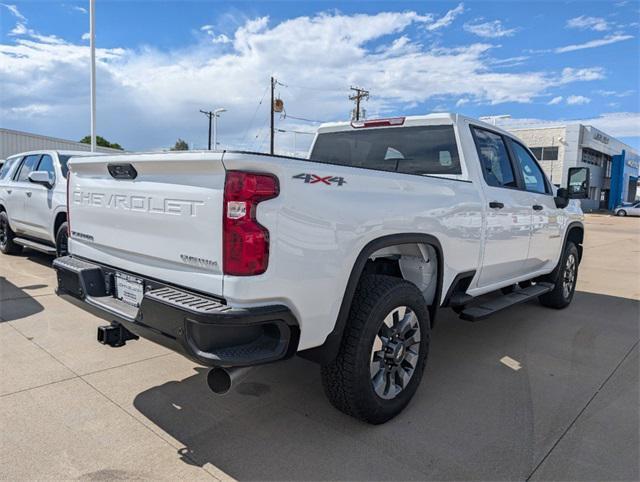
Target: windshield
418,150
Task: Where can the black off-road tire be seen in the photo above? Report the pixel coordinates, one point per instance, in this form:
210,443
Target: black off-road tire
62,247
7,246
560,297
347,380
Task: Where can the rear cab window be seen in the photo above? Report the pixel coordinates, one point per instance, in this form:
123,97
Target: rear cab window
418,150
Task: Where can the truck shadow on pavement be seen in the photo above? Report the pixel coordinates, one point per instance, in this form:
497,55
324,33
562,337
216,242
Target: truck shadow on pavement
473,416
11,294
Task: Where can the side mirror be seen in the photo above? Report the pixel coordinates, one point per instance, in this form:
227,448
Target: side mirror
578,182
41,177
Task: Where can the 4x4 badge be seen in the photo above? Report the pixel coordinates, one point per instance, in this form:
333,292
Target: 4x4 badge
315,179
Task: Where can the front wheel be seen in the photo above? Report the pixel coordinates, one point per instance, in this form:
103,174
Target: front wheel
383,352
621,212
62,240
7,246
565,282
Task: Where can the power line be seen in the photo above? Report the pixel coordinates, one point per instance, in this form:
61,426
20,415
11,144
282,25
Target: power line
253,118
287,116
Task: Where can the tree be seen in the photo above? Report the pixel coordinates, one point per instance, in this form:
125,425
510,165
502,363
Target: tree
180,145
101,141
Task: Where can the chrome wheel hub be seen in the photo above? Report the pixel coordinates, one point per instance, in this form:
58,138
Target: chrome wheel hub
569,275
395,351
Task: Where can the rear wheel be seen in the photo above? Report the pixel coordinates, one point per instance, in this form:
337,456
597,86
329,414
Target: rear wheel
621,212
7,246
383,352
62,240
565,282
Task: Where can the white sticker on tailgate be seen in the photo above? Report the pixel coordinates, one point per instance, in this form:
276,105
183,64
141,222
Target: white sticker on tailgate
129,289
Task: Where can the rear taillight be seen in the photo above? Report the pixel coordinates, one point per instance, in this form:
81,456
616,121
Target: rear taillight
245,241
68,205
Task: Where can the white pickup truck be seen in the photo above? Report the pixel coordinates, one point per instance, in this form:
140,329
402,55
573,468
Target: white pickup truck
236,259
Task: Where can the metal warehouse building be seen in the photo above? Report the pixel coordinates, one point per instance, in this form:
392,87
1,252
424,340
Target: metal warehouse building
14,142
613,164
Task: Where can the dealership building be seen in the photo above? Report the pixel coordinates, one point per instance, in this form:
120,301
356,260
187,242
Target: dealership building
613,164
13,142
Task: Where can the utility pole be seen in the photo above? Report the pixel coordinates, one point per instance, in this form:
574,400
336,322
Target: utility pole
210,115
273,86
360,94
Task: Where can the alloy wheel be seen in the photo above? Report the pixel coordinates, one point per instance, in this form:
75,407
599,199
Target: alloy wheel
4,232
569,275
395,351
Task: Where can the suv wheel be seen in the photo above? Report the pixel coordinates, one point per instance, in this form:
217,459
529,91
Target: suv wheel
565,282
7,246
62,240
383,352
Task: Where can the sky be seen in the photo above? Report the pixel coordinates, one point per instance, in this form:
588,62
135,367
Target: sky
160,62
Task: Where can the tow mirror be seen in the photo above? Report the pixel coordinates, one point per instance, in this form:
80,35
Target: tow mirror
578,183
41,177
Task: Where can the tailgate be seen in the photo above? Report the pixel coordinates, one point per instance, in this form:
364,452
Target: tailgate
158,215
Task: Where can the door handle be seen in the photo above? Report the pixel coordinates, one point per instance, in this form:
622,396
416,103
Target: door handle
496,205
28,193
9,191
537,207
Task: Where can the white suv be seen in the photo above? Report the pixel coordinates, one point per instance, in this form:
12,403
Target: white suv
33,201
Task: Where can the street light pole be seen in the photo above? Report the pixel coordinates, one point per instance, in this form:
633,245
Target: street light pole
92,47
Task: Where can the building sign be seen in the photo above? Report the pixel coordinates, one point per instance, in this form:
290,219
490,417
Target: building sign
599,136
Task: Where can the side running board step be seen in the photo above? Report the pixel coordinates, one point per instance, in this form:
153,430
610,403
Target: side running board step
27,243
487,308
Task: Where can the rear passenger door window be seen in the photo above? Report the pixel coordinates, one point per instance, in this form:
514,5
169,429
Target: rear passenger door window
28,166
532,176
494,158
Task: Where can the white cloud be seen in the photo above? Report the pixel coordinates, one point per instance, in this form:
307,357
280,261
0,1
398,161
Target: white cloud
583,22
555,100
492,29
148,97
572,75
80,9
609,39
86,36
577,100
614,93
462,101
15,12
206,28
447,19
616,124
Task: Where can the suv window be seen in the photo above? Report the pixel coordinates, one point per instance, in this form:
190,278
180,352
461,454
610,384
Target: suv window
46,164
531,173
7,167
28,166
492,151
420,150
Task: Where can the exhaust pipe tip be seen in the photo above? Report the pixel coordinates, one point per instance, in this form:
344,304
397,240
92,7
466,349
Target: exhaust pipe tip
221,380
